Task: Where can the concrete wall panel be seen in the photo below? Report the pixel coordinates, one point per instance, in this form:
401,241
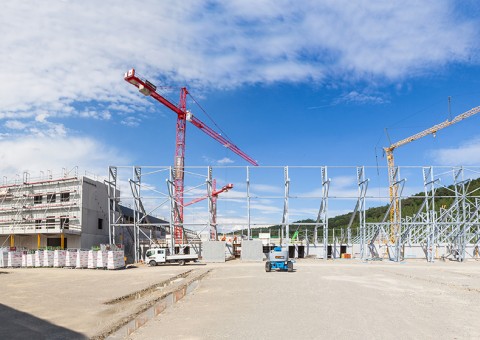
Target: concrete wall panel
214,251
252,250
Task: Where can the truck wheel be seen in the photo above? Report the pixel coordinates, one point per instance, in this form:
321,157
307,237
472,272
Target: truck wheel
181,262
290,266
152,263
268,266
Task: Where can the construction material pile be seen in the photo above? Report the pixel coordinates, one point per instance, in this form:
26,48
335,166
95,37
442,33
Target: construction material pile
71,258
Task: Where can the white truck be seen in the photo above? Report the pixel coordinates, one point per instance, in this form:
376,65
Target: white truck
155,256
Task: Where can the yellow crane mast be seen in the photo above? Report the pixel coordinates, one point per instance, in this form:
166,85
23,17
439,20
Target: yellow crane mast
393,184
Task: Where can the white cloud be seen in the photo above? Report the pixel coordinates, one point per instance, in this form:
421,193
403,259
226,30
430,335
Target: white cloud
39,127
266,188
61,54
225,161
47,129
95,114
15,125
266,209
131,121
360,98
42,117
35,154
467,153
121,108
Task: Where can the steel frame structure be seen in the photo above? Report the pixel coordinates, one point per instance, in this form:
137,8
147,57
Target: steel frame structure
453,230
456,227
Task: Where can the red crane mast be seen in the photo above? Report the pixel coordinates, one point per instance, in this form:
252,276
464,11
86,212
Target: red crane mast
149,89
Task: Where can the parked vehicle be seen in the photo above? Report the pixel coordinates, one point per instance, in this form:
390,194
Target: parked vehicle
156,256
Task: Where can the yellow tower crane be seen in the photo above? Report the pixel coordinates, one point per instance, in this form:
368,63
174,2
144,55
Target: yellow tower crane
392,178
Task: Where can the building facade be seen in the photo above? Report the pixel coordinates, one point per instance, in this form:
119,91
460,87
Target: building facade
66,212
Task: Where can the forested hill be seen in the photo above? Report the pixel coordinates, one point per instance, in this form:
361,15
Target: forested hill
410,206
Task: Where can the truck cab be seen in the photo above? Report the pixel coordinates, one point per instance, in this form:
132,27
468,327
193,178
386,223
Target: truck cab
156,255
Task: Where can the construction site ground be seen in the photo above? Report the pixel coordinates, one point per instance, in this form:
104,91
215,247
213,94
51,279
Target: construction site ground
236,300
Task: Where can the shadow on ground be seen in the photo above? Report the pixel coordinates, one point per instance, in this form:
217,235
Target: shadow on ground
20,325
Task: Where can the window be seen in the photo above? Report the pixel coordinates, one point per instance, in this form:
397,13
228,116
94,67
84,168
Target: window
51,198
37,199
50,222
38,224
65,197
64,222
57,242
100,223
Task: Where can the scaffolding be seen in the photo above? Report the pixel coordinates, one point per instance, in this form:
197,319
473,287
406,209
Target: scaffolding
49,204
144,229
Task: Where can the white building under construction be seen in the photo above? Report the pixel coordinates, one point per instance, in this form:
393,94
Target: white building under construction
66,211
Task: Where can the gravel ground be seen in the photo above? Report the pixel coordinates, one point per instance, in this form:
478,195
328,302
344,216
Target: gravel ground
237,300
344,299
69,303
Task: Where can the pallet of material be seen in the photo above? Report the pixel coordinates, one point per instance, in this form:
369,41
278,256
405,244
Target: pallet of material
82,259
30,260
71,258
38,258
102,259
116,259
3,259
14,259
59,258
92,259
48,258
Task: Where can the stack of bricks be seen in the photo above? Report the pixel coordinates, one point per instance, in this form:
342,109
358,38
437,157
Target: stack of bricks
82,259
14,259
102,258
39,258
3,259
71,258
48,258
30,260
92,259
59,258
116,259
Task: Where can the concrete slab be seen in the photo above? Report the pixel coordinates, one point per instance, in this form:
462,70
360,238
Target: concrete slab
252,250
213,251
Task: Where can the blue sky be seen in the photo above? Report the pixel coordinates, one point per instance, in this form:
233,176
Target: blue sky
291,83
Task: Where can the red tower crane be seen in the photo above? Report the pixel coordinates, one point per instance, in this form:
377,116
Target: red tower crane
213,210
215,193
148,89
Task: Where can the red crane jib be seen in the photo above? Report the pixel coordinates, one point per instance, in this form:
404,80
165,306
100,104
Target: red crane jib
215,194
149,89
